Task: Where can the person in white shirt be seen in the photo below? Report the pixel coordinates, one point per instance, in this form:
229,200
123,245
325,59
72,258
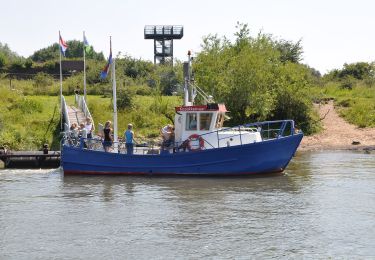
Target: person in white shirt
89,127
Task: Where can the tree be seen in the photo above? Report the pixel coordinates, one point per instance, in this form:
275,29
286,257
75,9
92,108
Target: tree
254,78
290,51
359,71
75,50
2,61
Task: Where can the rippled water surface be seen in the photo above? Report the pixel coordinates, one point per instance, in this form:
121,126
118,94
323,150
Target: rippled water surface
322,207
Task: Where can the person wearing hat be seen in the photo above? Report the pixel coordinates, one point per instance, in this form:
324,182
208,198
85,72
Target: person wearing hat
167,133
129,138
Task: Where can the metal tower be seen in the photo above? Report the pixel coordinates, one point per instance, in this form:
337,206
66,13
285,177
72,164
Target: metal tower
163,36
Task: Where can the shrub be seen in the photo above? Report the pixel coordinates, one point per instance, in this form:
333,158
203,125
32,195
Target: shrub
142,90
347,83
41,82
27,105
124,99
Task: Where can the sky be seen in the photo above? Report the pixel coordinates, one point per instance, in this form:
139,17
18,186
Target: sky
333,32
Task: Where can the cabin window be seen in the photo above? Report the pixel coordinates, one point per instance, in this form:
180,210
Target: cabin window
191,121
205,121
220,120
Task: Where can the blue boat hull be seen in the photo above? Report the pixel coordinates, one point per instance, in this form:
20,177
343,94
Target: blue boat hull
263,157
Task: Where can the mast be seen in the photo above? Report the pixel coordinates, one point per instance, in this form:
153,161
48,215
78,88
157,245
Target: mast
61,103
188,100
84,68
115,137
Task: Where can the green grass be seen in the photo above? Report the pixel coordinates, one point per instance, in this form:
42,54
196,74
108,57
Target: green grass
356,105
27,122
146,115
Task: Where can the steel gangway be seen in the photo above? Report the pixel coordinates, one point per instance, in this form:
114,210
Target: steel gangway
76,113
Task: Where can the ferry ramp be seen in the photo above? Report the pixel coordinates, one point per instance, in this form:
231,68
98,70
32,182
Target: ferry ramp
76,113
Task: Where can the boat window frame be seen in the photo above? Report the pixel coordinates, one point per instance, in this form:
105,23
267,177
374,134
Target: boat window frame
188,121
201,123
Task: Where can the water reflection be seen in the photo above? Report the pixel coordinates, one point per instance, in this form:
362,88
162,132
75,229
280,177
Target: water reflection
183,188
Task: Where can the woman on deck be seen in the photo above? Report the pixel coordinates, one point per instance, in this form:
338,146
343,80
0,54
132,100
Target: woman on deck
107,143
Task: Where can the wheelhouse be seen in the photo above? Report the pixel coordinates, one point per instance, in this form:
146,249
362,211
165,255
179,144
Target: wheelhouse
198,120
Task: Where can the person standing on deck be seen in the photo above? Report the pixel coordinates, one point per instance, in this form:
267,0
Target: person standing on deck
107,143
83,135
129,137
89,127
167,133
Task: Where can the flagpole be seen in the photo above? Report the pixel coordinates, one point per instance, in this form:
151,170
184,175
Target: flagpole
84,69
115,137
61,105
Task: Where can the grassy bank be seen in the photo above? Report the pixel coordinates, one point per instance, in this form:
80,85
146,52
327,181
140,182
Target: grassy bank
146,114
355,104
27,122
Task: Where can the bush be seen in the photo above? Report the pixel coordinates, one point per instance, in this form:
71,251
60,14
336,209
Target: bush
142,90
124,99
27,105
348,83
41,82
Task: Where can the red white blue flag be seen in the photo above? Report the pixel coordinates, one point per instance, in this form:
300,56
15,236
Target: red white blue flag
63,46
105,70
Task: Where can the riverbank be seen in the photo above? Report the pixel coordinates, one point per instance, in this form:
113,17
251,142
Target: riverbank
338,134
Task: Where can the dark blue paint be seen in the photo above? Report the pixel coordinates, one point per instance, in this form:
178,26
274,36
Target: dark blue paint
262,157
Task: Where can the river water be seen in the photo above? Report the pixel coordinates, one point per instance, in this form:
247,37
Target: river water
323,206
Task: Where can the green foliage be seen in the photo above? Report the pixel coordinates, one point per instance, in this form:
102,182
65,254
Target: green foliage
75,50
49,53
28,122
356,105
6,52
134,68
27,106
359,71
359,112
167,79
142,90
73,83
145,117
124,99
255,79
163,106
42,79
3,61
347,83
290,51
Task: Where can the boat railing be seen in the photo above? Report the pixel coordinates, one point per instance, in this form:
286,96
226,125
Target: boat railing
268,130
81,103
65,113
96,144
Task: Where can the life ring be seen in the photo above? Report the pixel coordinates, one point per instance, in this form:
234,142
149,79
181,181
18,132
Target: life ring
195,137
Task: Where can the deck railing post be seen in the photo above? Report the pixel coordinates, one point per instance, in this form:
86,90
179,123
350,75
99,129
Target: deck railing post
239,129
218,141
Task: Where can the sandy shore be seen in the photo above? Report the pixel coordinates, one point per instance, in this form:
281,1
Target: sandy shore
338,134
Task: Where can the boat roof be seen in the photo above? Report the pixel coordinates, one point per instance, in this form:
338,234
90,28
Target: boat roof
202,108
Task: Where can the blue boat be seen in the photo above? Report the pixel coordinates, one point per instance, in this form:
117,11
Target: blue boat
201,145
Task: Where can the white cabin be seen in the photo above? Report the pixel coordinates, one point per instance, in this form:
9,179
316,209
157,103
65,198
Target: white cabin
206,121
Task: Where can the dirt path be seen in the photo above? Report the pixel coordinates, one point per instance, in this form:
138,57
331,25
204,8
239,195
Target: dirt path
338,134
